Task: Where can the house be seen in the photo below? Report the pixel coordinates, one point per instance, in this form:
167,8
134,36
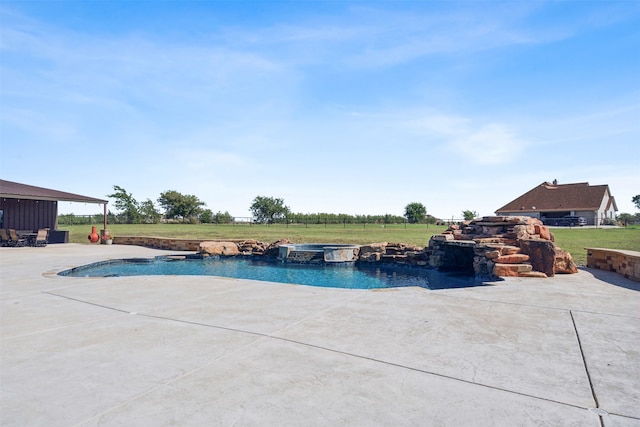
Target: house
25,207
552,200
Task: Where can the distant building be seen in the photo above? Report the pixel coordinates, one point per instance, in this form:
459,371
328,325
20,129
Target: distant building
552,200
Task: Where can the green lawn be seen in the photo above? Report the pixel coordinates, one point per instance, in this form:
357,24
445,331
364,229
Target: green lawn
332,233
574,240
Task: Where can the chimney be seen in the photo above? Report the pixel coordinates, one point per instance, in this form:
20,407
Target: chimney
555,182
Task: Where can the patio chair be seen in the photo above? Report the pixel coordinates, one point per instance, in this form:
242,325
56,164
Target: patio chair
14,240
4,237
41,238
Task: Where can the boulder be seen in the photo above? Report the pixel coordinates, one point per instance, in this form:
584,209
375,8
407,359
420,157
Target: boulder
375,247
494,218
508,250
251,247
564,262
543,231
395,259
492,254
491,231
511,270
522,220
219,248
370,257
442,237
520,232
541,255
512,259
395,248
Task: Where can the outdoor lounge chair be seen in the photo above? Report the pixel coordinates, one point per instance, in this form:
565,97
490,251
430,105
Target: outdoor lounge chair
14,240
41,238
4,237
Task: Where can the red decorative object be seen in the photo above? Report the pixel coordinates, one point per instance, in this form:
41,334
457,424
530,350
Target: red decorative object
93,237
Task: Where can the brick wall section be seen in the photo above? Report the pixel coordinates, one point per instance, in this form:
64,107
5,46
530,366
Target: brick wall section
626,263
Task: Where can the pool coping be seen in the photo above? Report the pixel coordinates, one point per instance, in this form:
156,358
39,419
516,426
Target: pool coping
559,350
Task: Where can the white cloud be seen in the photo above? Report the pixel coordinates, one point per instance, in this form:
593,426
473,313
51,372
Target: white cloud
491,144
480,143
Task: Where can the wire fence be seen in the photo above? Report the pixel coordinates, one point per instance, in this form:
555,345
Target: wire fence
297,221
309,221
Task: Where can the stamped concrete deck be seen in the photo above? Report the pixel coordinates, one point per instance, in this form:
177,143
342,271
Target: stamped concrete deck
160,351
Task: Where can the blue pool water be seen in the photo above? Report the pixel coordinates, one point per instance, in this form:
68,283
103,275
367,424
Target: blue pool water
335,276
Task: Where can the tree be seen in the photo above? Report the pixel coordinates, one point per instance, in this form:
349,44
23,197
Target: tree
626,218
178,205
130,210
468,215
149,213
223,218
266,209
206,216
636,201
415,212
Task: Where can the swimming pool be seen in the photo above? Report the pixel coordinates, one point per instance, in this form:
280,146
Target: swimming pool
334,276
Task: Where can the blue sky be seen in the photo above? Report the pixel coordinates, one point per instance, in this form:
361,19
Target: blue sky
334,106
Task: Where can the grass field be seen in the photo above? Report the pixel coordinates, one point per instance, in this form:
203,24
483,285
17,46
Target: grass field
574,240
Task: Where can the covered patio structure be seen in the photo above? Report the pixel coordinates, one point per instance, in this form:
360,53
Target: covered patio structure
27,207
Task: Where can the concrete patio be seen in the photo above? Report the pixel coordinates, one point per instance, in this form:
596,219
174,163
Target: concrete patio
184,350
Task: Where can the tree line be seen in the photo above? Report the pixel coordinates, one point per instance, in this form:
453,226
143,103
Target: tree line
187,208
175,206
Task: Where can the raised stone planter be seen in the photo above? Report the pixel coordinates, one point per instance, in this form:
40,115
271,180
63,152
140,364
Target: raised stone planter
626,263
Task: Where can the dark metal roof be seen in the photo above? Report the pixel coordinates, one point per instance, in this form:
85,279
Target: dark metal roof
565,197
14,190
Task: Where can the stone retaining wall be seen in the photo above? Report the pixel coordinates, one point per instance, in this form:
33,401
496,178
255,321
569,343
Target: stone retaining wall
244,247
159,243
626,263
